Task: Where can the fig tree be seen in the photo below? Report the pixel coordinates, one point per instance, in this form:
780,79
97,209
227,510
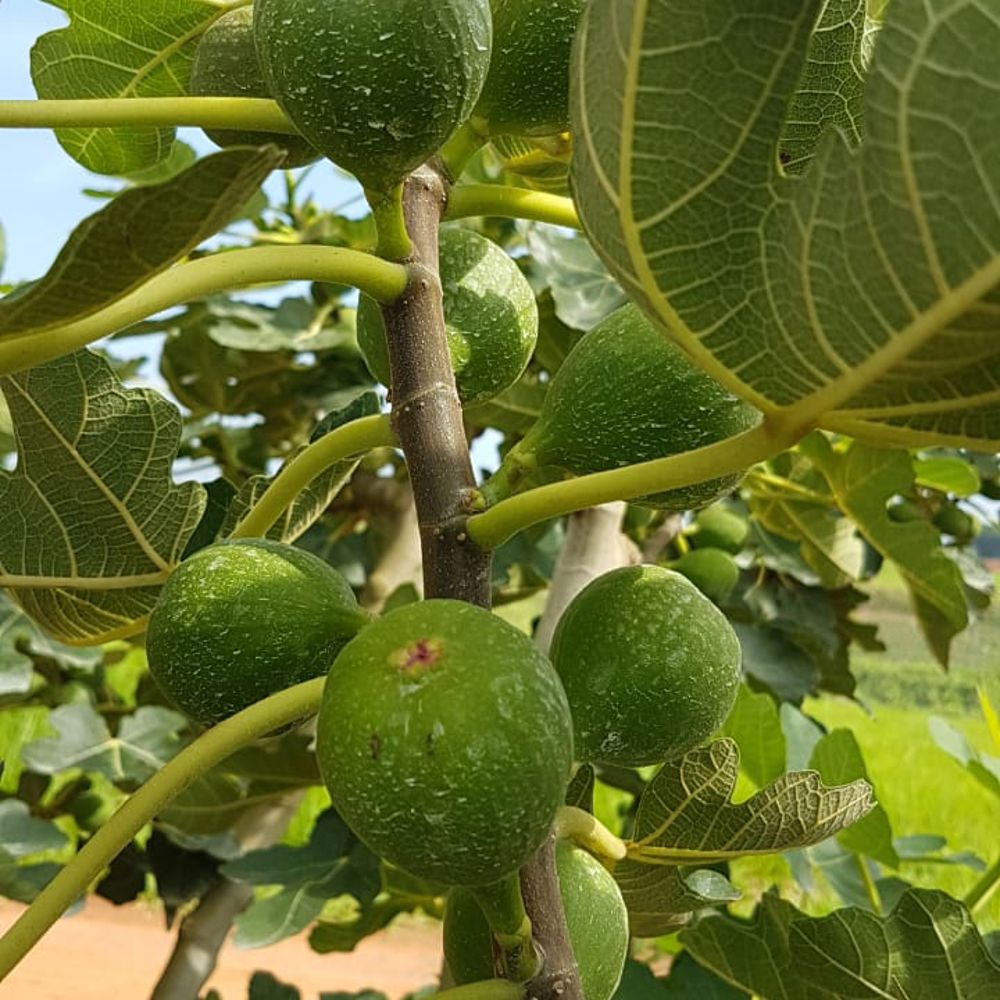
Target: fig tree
377,86
445,740
240,620
650,666
226,65
490,314
527,89
595,916
625,395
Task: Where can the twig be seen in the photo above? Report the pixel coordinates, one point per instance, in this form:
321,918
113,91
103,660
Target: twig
203,932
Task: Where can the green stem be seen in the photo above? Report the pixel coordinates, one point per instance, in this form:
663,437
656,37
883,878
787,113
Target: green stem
503,906
487,989
982,892
240,113
460,149
511,202
735,454
204,753
355,438
871,890
394,241
207,276
589,832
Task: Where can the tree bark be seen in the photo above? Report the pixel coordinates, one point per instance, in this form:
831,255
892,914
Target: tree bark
427,419
426,412
203,932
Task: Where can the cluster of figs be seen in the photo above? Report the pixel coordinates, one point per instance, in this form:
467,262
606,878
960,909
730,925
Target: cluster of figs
446,737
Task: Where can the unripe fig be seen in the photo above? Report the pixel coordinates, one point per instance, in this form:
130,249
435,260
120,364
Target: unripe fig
651,667
226,65
490,314
377,86
240,620
445,740
527,90
713,571
719,528
626,395
595,916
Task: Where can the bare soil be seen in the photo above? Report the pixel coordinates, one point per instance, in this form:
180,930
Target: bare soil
106,952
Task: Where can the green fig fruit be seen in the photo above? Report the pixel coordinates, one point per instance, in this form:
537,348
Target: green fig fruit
378,86
713,571
226,65
625,395
595,916
241,620
950,519
719,528
903,510
490,314
445,740
527,89
650,666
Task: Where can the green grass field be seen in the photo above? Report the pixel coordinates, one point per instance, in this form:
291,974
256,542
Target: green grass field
922,789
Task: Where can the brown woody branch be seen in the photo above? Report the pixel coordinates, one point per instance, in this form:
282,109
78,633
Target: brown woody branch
427,419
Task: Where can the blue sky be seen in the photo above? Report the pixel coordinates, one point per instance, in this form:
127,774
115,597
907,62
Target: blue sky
40,186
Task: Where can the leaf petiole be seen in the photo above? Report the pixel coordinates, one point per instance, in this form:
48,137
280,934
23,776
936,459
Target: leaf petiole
460,149
507,518
394,241
983,891
352,439
511,202
238,113
195,279
588,832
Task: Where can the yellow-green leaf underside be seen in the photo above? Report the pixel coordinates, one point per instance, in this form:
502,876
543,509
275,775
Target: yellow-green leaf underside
91,523
121,48
863,294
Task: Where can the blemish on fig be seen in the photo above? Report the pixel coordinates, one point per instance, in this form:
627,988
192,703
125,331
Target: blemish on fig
418,657
375,745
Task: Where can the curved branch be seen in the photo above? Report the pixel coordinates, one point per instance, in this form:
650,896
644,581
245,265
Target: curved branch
163,787
378,278
513,203
240,113
735,454
352,439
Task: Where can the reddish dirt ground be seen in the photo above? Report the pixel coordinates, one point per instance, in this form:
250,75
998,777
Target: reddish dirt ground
116,953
